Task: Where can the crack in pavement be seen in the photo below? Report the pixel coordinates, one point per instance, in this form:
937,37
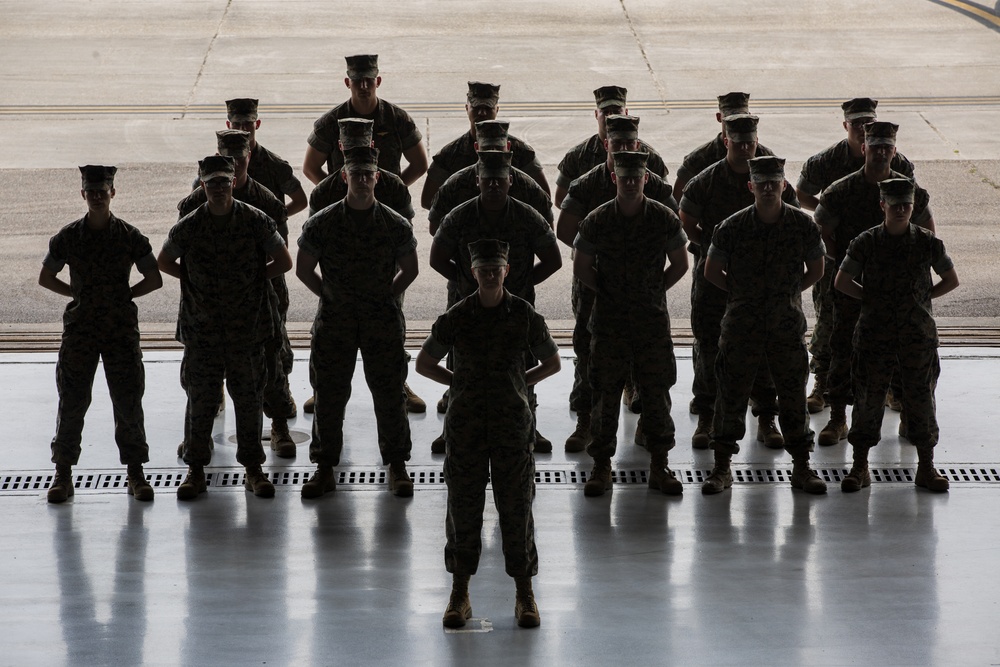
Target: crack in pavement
631,26
208,52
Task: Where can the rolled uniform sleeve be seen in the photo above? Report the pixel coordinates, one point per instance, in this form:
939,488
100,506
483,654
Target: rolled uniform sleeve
441,339
540,341
55,258
940,261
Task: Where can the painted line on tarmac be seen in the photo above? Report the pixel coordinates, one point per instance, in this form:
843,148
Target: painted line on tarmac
509,108
984,15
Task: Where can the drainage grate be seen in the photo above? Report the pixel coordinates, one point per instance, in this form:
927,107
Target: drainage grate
359,479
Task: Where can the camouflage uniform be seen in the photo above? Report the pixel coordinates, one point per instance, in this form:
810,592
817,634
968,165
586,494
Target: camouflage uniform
895,330
590,153
226,316
462,186
712,196
764,325
100,323
278,401
585,195
394,133
490,427
274,173
629,324
849,207
706,155
389,190
461,153
818,173
357,253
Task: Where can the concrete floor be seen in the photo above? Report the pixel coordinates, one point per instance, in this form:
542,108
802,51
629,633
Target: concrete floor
758,575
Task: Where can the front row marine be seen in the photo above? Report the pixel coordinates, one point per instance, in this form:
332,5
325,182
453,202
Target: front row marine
888,269
100,323
490,429
228,313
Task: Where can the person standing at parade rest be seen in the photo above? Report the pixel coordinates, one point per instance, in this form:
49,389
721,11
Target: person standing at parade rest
100,323
585,194
611,101
396,135
629,252
896,332
366,257
709,198
763,258
495,215
846,208
279,405
483,105
220,253
818,173
490,426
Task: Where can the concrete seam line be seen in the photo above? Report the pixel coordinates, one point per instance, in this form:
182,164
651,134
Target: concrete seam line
204,61
642,49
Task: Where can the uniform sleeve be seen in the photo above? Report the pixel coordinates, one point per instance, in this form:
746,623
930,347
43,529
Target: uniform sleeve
814,246
540,341
406,129
55,258
175,245
903,165
310,239
543,236
190,203
921,207
574,201
406,242
324,135
446,237
940,261
568,169
525,158
854,262
585,240
722,243
141,249
788,195
693,200
825,215
808,178
665,195
441,339
286,177
678,239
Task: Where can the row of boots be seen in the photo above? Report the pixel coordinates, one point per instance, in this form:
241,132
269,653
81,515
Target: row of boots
459,609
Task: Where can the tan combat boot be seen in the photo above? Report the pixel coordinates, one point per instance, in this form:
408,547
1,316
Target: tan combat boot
258,482
769,434
859,477
281,439
816,401
414,403
805,478
599,479
324,480
61,487
892,402
721,477
639,438
542,444
579,438
399,480
525,609
309,405
439,445
459,607
137,484
442,404
630,397
661,477
193,484
836,428
927,476
703,433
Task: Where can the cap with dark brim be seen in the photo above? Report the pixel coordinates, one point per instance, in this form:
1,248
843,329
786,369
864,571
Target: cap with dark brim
362,66
897,191
767,168
234,143
622,128
361,158
216,166
492,134
356,132
97,177
611,96
734,103
741,127
881,133
483,94
494,164
859,107
489,252
241,110
630,163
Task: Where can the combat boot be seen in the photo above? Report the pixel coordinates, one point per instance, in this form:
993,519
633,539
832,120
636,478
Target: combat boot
324,480
721,477
61,487
442,404
193,484
137,484
703,433
525,609
768,433
309,405
630,397
399,480
281,439
599,479
580,438
439,445
294,410
816,400
639,438
661,477
859,477
459,607
892,402
927,476
542,444
805,478
414,403
836,428
693,407
258,482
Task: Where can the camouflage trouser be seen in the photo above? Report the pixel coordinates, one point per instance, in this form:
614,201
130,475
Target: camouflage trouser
846,311
918,368
284,350
203,371
582,297
819,343
278,402
652,358
708,306
468,468
738,363
78,357
331,367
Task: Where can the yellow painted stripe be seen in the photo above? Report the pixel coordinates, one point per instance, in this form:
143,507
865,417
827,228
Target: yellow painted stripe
507,108
972,9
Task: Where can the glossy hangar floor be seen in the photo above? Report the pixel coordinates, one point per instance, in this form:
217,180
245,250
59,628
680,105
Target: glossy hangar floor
760,575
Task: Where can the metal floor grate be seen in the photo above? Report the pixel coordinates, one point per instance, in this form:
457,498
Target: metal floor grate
359,479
